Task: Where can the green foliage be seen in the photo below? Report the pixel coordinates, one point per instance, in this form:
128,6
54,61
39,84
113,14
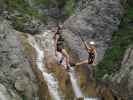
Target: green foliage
120,42
21,6
43,2
54,3
24,97
69,7
25,13
18,21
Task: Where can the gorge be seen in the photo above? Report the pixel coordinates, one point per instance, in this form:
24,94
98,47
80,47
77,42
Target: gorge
28,65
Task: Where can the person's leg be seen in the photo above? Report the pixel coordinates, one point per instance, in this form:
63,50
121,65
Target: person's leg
82,62
64,52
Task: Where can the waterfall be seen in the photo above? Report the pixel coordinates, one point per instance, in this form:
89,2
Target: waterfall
91,98
73,79
48,77
76,88
75,85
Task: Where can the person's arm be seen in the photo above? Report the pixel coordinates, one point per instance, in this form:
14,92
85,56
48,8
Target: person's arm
82,62
66,55
86,45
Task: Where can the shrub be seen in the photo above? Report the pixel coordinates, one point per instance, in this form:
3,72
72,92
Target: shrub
69,7
120,42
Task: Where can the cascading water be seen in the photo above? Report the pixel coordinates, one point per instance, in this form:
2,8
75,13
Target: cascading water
75,86
48,77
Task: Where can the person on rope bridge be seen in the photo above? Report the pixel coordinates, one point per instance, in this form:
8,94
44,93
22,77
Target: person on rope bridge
91,54
59,47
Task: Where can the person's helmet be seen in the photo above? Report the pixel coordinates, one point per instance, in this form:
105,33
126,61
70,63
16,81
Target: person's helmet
92,43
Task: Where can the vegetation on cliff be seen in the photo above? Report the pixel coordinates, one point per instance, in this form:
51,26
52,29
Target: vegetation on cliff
22,13
120,42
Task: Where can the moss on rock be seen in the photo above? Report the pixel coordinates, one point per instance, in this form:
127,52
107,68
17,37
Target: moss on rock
120,42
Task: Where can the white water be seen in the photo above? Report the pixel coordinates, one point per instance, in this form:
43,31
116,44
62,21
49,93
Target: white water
75,86
90,98
48,77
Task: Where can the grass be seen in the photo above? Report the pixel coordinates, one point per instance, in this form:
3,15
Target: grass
120,42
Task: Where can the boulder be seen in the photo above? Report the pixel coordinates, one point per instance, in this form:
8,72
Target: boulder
97,20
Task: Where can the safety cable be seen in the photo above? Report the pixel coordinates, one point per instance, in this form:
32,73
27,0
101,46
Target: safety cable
83,41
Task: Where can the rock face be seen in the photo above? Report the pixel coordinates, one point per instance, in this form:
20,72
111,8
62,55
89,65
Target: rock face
94,20
16,75
3,93
124,76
